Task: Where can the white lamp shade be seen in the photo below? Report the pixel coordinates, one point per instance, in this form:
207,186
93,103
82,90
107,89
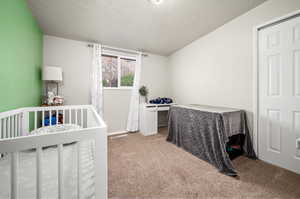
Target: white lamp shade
52,73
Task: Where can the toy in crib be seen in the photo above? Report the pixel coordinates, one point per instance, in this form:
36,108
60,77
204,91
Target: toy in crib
53,119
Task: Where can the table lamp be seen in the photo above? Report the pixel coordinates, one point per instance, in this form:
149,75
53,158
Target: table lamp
52,74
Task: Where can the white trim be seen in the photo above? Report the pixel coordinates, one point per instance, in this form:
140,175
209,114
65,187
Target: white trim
256,73
118,88
120,49
278,19
255,90
117,133
118,54
119,72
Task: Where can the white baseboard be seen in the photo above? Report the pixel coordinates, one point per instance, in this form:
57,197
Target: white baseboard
117,133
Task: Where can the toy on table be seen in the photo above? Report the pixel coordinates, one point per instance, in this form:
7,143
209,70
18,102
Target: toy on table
163,100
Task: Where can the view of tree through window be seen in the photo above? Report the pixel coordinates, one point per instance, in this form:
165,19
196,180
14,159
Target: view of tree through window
117,71
110,71
127,72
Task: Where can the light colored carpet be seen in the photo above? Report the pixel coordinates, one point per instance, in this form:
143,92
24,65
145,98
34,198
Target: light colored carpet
149,167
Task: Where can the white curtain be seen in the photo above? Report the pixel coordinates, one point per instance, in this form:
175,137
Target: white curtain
133,116
96,79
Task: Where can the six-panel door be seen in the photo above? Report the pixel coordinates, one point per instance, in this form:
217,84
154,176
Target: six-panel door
279,94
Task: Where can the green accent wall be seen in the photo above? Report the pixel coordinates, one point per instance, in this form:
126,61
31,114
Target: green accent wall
21,47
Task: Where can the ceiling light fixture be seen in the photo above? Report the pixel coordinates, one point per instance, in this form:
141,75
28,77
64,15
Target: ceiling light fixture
156,2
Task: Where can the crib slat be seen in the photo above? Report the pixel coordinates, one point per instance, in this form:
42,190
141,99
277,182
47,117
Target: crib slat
39,173
14,167
16,125
12,126
50,118
78,171
35,119
20,125
43,118
56,117
12,129
64,116
5,128
81,118
70,116
76,116
60,171
8,128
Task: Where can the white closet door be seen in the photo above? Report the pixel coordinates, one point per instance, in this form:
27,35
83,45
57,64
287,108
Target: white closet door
279,94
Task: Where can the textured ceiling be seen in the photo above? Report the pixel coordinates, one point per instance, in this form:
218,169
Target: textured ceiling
137,24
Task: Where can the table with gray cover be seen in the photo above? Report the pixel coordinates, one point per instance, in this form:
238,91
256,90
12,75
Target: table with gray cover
204,131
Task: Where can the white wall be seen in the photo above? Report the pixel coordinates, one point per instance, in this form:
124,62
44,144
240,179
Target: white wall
116,102
75,59
217,68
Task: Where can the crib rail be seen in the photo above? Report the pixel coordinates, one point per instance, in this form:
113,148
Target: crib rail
23,121
16,138
11,124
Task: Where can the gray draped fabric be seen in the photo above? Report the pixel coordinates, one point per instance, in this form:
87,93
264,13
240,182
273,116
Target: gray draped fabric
204,131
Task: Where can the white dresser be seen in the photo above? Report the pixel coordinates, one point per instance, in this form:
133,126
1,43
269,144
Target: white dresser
149,117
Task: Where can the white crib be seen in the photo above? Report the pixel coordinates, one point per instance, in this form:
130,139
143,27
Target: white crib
15,131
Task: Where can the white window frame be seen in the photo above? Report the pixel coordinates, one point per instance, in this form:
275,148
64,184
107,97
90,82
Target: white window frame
119,57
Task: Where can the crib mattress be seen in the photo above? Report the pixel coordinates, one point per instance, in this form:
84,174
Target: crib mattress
27,172
56,128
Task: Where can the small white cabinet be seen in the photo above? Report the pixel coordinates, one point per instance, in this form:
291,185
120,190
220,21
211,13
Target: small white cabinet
149,117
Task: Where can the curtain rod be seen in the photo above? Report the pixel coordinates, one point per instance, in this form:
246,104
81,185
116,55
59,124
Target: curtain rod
119,49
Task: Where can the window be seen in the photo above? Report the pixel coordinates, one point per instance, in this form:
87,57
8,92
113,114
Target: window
127,71
110,71
118,71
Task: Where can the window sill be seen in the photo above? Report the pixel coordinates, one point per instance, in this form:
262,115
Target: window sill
119,88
